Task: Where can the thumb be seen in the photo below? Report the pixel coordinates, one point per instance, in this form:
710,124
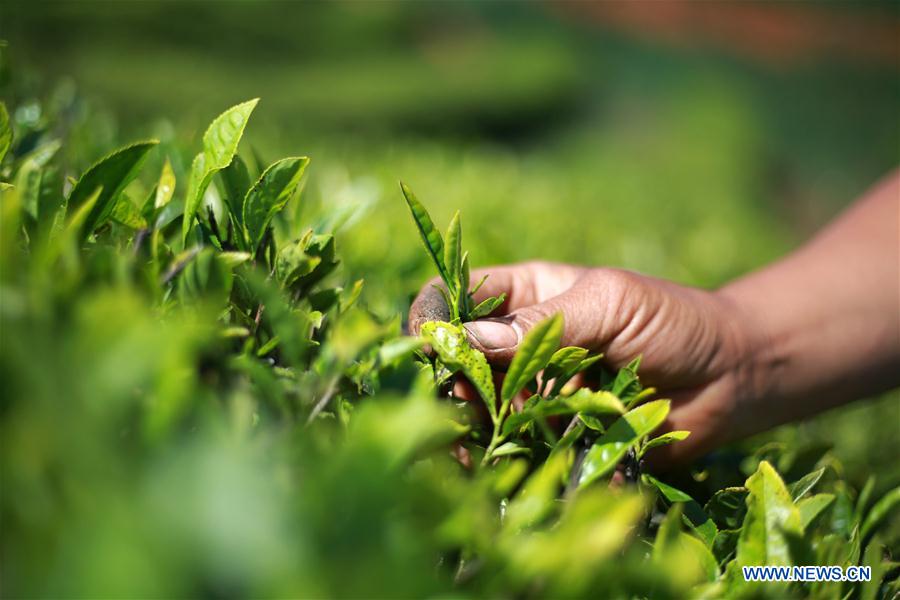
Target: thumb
498,338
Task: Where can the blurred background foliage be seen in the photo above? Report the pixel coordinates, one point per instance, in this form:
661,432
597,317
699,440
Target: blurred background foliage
694,144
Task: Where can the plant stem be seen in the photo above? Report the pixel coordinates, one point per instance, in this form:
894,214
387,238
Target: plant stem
496,438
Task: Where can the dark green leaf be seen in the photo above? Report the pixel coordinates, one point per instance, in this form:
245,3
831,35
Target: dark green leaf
727,507
269,195
694,515
812,507
5,131
879,512
236,183
627,384
112,173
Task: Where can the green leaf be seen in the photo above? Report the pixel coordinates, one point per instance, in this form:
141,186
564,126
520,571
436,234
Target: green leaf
510,449
430,235
727,507
487,306
879,512
208,275
627,384
112,173
689,557
534,351
220,143
235,183
564,361
799,488
538,496
453,254
812,507
5,132
269,195
126,213
771,517
609,449
667,438
583,401
452,346
292,262
694,515
165,189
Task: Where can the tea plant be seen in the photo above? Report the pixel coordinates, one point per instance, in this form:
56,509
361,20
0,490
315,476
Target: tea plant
765,522
196,404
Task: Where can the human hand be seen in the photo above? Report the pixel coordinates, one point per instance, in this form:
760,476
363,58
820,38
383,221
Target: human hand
691,340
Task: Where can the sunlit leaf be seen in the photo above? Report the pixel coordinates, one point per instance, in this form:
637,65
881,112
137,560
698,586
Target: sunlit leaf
452,346
431,237
532,355
802,486
609,449
771,516
220,143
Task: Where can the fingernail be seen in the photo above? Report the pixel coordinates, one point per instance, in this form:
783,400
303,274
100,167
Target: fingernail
493,335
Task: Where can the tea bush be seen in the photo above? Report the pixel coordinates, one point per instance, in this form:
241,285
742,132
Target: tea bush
196,403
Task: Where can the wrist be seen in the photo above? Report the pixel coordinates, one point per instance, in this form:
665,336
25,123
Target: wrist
755,363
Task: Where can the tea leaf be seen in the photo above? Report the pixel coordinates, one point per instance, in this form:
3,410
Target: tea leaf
880,511
727,507
510,449
799,488
627,383
452,346
609,449
583,401
812,507
165,189
236,183
220,144
487,306
112,173
128,214
5,132
431,237
538,496
269,195
534,351
667,438
453,254
564,361
771,517
292,263
694,515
